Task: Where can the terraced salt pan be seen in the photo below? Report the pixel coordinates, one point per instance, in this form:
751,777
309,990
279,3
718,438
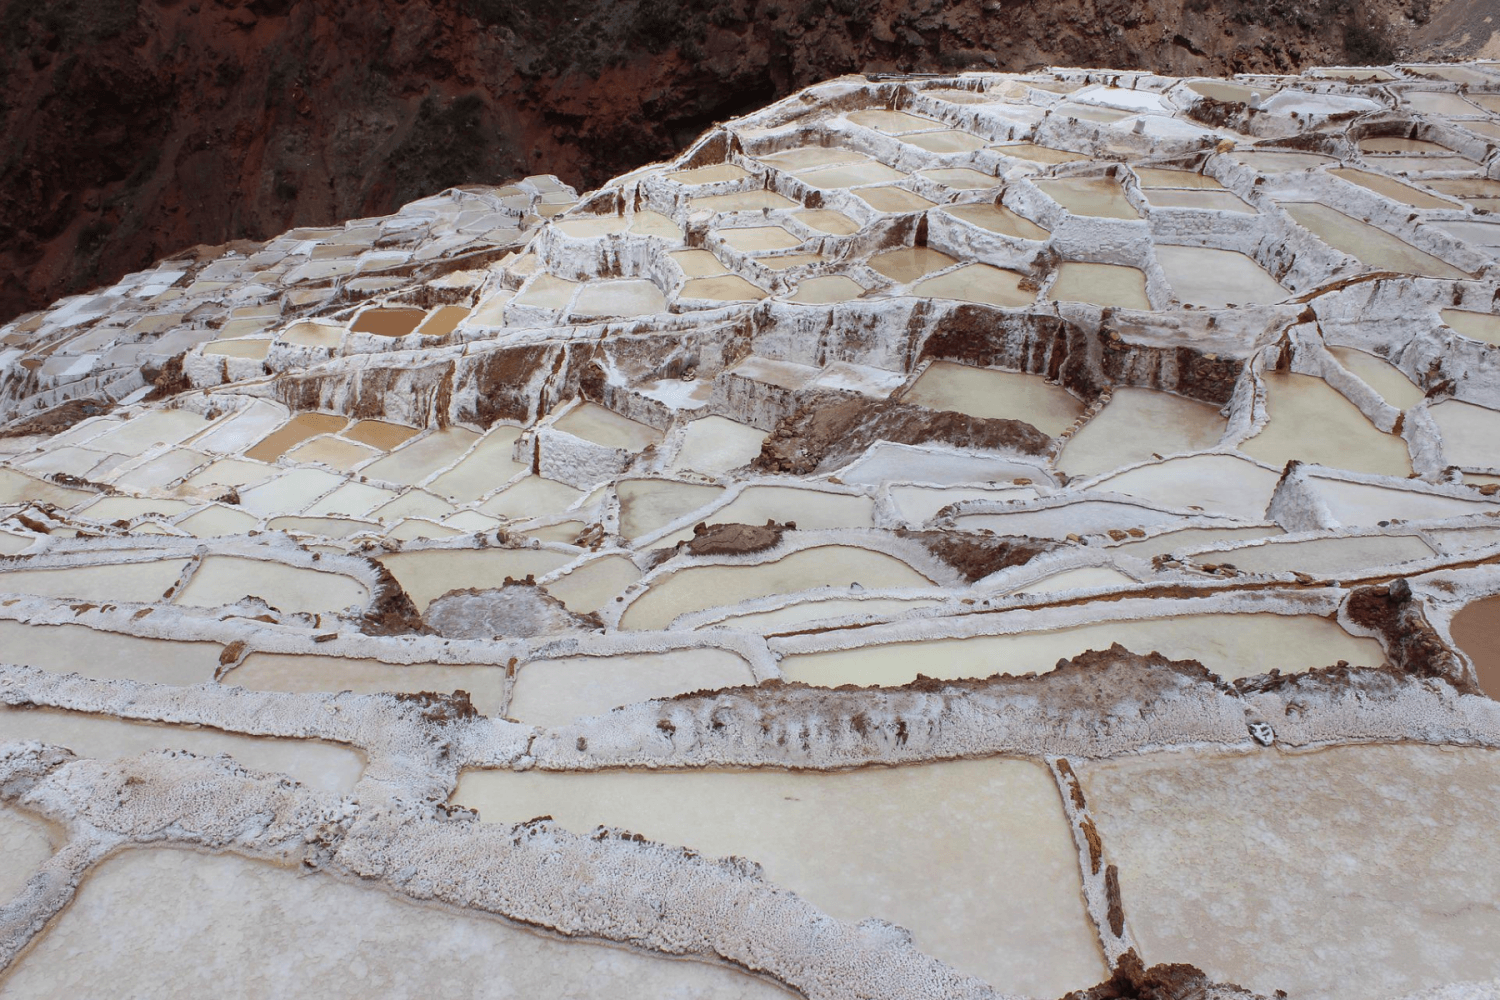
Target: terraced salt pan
107,655
305,672
919,503
1382,376
910,263
149,428
555,692
806,508
973,857
222,580
334,452
204,923
1137,424
1322,556
1367,505
350,499
1476,631
323,766
946,141
892,199
826,289
647,505
1214,484
990,392
998,219
978,283
1189,538
1102,197
1279,898
1313,422
484,469
886,462
1216,201
1038,154
428,574
593,585
421,458
1391,188
1469,433
217,520
1279,162
696,588
1478,326
600,425
293,491
1374,247
380,434
626,297
1202,276
300,428
532,496
1101,284
1231,645
801,612
826,220
16,487
140,582
25,843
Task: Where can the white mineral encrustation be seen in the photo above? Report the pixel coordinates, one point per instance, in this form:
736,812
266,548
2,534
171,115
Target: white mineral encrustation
941,537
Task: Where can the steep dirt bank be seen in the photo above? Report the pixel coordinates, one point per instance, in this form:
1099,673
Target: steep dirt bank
132,129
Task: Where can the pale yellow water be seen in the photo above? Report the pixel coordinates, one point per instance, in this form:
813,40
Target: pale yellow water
593,585
1213,484
826,289
1310,421
557,691
947,141
143,583
308,673
532,496
826,220
910,263
1475,325
1391,188
421,458
488,467
893,122
1101,284
430,574
600,425
1382,376
1375,247
1203,276
1101,196
753,239
108,655
998,219
724,288
1217,201
649,504
893,199
989,392
1137,424
961,178
717,444
222,580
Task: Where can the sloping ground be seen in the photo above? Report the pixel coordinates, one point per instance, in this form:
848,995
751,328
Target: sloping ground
134,130
963,536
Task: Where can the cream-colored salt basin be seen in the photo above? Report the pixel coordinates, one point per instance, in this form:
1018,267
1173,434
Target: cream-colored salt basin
334,452
1230,645
388,322
26,842
699,587
1214,484
1373,247
11,544
421,458
1279,161
323,766
488,467
946,141
1400,144
413,528
978,283
998,219
1347,873
649,504
217,520
555,692
910,263
1311,421
826,220
16,487
1471,434
222,925
124,508
648,223
1421,164
107,655
754,239
808,509
809,611
594,226
697,263
850,175
1101,284
429,574
443,321
1321,556
1156,177
1475,325
1188,538
893,199
253,350
804,157
289,493
1083,578
307,673
594,584
1382,376
990,393
380,434
222,580
961,178
327,527
149,428
532,496
1038,154
917,504
1361,504
741,201
721,288
1216,201
1101,196
1137,424
626,297
414,503
717,444
601,425
892,122
1460,539
973,857
825,289
1391,188
232,472
546,291
351,499
144,582
312,335
1202,276
160,471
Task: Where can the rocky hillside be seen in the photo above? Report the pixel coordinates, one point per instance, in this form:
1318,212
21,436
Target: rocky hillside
133,129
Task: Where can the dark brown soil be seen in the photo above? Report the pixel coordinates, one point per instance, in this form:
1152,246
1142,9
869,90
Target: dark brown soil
735,539
130,129
977,556
58,419
1133,981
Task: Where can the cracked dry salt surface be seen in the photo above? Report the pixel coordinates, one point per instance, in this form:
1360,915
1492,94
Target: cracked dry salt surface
938,537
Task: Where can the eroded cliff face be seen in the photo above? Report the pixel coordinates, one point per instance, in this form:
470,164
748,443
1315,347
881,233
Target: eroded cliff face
133,129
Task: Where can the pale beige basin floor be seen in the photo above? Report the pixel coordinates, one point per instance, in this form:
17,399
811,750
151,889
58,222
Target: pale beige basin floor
989,392
1311,421
108,655
303,672
26,841
554,692
1137,424
209,925
973,857
1349,873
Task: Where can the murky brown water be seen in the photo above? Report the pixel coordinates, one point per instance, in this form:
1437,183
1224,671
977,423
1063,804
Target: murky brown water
388,322
294,432
1476,629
